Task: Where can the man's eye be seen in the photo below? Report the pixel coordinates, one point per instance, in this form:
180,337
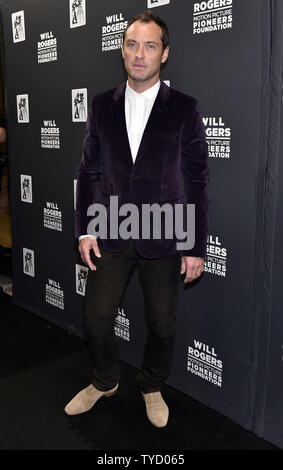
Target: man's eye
150,46
131,44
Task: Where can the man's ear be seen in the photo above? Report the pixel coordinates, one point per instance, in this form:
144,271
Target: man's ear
122,50
165,55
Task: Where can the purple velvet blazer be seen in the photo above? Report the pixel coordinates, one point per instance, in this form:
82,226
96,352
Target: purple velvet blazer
171,165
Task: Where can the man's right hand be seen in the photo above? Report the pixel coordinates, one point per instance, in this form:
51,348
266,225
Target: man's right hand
86,244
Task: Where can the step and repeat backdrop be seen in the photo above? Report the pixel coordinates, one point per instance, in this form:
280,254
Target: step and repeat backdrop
57,56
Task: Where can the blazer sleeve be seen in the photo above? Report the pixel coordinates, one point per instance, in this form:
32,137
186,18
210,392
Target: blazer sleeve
88,172
196,176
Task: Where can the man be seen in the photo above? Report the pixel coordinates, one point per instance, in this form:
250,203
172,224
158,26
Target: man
140,139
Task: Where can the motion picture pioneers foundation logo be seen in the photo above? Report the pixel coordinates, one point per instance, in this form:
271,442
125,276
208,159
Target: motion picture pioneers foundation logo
212,15
52,216
50,135
54,294
122,325
112,32
216,257
203,361
218,137
47,47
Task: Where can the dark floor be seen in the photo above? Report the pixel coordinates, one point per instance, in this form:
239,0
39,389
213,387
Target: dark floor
44,366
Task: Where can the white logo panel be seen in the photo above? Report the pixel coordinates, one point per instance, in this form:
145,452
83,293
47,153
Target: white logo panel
157,3
81,278
18,26
26,188
79,105
77,13
28,261
23,108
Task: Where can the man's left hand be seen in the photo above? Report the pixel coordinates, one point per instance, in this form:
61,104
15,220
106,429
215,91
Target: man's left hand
192,266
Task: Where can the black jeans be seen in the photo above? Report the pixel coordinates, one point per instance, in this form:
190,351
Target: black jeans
105,286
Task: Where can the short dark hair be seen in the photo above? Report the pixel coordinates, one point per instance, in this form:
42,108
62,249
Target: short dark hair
146,17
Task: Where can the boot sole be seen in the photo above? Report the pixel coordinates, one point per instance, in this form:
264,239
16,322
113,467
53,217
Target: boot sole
110,394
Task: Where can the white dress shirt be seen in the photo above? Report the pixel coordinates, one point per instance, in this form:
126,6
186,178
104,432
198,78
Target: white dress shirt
138,107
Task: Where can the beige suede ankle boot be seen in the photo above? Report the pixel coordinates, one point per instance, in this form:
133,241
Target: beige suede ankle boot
156,409
86,398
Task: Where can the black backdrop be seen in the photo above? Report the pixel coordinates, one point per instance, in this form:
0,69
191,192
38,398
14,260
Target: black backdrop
228,351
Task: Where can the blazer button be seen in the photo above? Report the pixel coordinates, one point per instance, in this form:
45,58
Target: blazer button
134,177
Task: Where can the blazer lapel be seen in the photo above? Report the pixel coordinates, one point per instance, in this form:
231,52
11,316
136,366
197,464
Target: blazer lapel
119,118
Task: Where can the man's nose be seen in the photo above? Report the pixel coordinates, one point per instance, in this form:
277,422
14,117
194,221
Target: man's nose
140,52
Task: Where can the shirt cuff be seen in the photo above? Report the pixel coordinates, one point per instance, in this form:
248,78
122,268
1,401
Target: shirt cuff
83,236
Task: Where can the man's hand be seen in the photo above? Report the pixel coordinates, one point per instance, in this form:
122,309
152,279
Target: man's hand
86,244
192,266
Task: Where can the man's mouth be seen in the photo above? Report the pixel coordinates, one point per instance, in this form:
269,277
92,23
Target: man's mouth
139,66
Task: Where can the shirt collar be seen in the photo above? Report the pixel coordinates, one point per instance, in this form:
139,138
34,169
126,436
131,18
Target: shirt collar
149,94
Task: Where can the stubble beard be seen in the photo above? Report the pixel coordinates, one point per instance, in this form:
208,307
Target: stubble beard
146,78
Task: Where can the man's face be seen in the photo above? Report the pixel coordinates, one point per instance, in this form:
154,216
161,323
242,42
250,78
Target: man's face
143,51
